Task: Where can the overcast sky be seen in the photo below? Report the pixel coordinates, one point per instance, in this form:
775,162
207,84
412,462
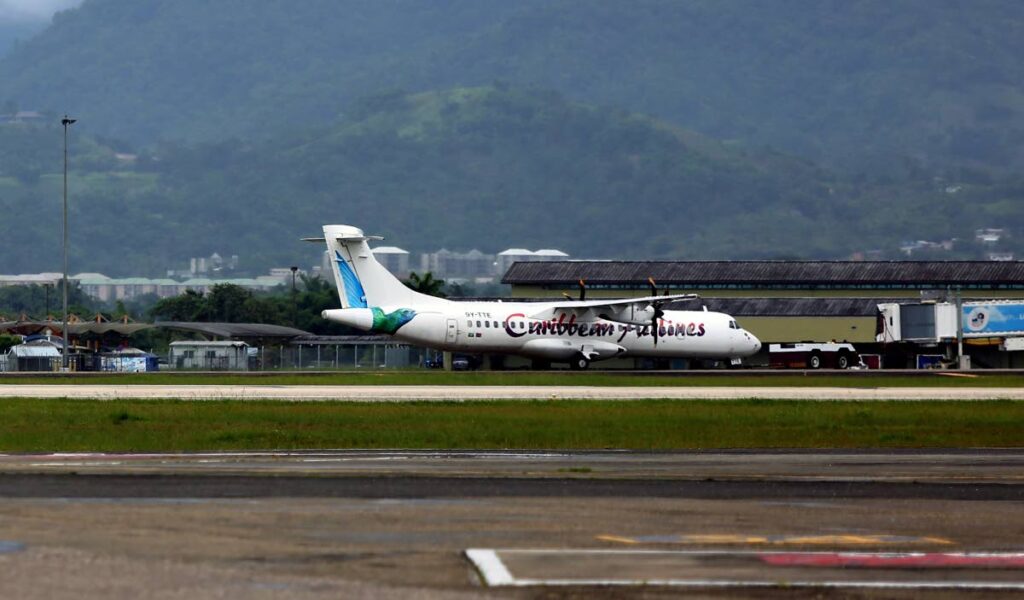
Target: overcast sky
32,10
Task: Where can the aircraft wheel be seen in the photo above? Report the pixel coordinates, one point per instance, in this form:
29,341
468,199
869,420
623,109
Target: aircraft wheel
580,363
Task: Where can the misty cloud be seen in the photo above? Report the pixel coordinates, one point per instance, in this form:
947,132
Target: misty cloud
32,10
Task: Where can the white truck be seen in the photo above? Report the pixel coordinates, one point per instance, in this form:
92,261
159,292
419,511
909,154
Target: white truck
812,355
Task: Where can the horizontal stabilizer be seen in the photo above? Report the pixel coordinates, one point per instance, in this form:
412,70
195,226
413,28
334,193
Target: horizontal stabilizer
346,238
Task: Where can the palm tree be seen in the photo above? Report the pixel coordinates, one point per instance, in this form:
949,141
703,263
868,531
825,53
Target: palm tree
426,284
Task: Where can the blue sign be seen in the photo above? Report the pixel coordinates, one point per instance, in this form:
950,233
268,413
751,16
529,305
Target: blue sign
993,319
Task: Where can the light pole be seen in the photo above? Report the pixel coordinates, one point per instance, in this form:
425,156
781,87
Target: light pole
294,303
64,331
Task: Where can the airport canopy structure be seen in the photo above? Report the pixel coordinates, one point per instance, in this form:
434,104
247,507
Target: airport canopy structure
255,331
236,331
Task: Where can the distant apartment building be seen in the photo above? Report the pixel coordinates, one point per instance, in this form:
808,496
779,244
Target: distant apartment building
458,266
106,289
394,259
513,255
51,279
989,235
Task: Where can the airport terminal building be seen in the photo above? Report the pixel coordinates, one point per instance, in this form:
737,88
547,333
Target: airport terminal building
791,301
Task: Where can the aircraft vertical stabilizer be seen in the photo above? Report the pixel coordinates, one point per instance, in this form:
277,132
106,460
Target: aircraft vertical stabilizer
362,281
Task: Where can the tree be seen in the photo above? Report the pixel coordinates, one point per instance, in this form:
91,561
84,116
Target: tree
190,306
426,284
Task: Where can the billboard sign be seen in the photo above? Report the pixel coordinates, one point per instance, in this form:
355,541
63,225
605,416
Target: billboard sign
980,320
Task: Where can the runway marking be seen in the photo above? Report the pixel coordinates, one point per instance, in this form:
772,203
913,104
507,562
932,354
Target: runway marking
899,561
776,540
490,566
496,573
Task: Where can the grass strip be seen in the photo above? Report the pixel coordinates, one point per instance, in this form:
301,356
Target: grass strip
592,378
34,425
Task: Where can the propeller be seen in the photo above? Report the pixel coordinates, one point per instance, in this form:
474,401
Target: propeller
658,313
583,292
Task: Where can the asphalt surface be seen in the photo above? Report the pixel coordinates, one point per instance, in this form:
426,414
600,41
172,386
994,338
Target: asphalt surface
370,524
387,393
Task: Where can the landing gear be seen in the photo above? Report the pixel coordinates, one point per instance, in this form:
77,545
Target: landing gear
580,363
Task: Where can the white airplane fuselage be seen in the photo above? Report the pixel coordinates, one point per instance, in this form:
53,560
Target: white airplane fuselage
535,330
577,332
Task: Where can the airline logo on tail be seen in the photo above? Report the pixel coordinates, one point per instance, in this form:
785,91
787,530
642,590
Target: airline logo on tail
354,295
391,322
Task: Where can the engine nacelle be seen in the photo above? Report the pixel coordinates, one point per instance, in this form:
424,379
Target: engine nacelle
631,315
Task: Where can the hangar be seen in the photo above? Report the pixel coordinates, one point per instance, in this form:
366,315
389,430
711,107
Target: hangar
782,301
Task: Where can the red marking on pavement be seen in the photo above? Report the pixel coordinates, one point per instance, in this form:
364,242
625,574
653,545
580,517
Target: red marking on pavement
897,561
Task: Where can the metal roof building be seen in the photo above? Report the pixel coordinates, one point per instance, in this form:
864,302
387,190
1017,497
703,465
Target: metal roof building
779,301
768,278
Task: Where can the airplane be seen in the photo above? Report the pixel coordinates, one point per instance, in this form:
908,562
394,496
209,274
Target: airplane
576,332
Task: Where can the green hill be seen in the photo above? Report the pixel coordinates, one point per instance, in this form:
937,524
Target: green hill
488,167
849,83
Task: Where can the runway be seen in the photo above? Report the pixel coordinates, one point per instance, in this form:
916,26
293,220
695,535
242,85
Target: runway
400,393
401,524
975,467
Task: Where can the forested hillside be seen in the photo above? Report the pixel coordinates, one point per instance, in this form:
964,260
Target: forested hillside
859,85
488,167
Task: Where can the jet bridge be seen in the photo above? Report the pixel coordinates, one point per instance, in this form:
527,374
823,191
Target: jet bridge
991,330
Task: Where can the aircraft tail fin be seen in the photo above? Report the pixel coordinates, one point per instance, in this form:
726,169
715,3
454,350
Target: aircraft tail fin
362,281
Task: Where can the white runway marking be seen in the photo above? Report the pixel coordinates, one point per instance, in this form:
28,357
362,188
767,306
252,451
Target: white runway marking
400,393
496,572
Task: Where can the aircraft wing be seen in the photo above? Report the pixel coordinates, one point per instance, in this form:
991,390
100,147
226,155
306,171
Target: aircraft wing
622,303
626,310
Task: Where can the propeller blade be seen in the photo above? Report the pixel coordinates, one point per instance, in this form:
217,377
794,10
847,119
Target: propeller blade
583,290
658,313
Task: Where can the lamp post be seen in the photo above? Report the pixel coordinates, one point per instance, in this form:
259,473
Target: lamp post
64,331
294,302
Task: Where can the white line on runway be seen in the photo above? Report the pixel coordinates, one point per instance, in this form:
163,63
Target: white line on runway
497,574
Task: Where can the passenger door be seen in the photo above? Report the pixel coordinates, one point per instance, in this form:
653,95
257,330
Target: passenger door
453,331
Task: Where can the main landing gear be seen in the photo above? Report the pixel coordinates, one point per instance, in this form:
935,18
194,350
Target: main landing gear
580,363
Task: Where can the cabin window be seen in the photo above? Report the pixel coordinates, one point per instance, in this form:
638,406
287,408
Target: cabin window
478,323
496,325
487,324
469,323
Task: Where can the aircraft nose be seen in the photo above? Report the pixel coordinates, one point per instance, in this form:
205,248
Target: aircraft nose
754,343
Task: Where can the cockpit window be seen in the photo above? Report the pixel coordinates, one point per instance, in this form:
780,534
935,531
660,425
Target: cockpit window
733,325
